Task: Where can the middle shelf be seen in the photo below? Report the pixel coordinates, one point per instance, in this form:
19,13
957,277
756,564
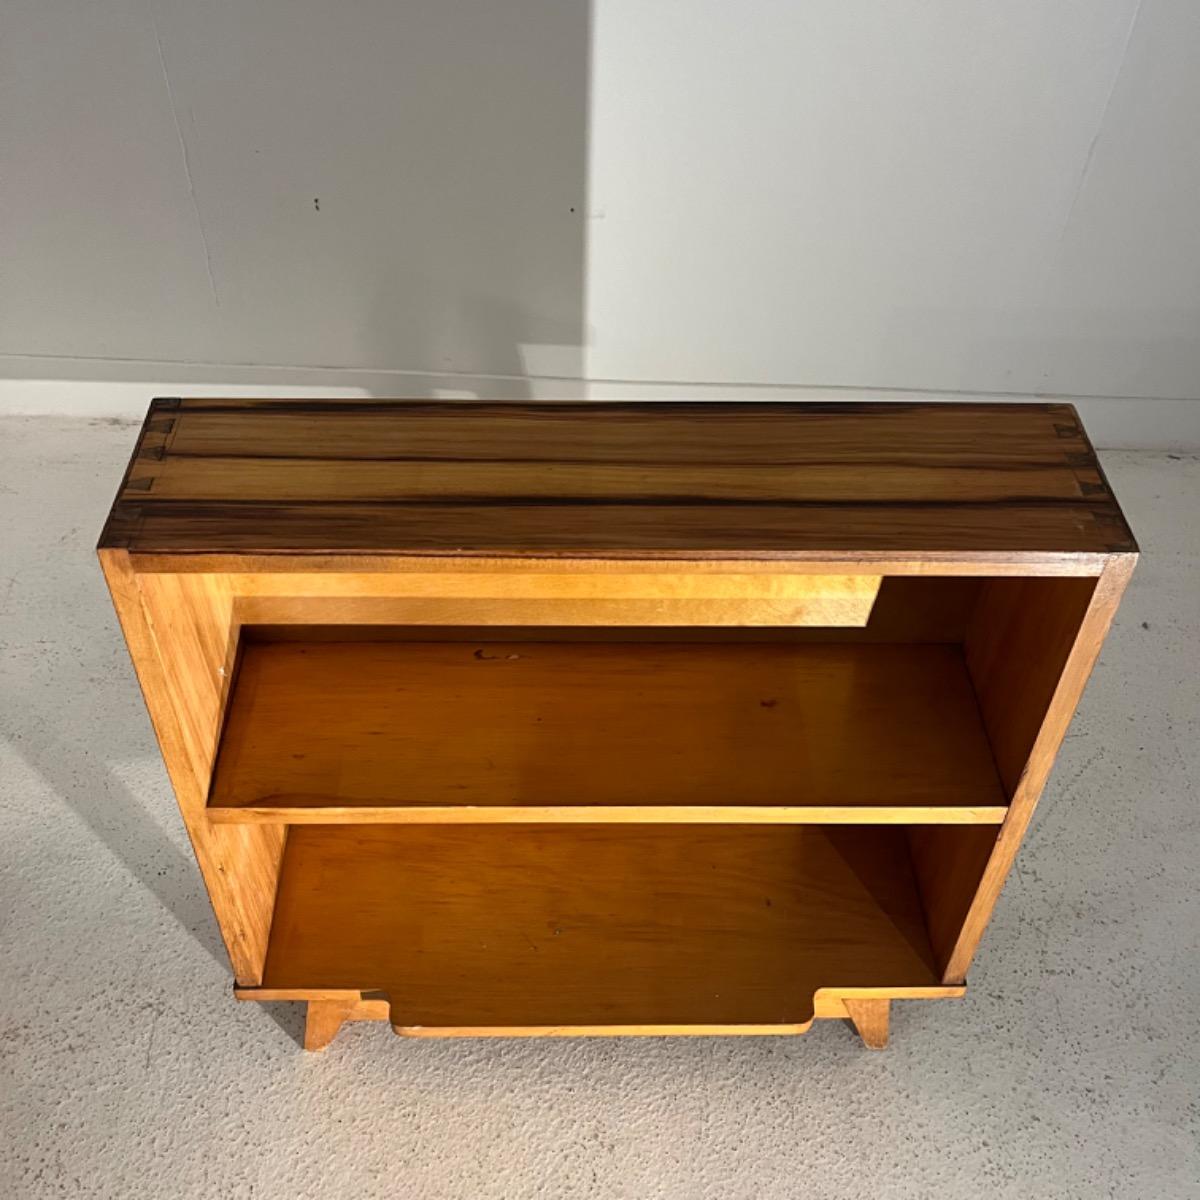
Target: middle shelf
358,731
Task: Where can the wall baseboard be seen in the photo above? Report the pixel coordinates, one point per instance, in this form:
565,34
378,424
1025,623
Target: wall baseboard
102,388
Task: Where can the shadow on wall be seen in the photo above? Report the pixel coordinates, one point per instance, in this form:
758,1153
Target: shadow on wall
376,188
446,147
487,242
467,257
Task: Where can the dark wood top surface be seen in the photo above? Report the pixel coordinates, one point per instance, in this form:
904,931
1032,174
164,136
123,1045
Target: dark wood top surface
652,480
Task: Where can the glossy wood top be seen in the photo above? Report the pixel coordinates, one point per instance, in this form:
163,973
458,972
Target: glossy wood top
653,480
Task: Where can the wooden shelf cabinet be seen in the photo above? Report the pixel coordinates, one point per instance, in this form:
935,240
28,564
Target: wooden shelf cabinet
609,718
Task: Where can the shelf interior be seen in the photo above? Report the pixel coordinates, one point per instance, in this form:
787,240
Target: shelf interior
577,926
735,730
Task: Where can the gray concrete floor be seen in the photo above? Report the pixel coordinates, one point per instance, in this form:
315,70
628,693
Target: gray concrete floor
1072,1069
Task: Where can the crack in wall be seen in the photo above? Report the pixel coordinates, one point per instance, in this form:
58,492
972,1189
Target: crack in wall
183,150
1085,170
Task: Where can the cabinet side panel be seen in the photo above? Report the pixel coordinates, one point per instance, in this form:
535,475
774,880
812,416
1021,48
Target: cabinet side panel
1017,644
181,640
191,623
948,862
1030,653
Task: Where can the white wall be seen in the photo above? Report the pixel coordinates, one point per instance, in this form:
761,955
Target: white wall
778,197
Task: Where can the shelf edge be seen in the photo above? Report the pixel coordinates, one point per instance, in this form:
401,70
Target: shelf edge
672,814
828,1003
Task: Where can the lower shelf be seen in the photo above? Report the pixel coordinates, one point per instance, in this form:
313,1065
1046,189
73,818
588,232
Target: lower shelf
604,928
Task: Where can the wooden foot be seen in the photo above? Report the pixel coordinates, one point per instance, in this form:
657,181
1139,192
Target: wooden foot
326,1017
870,1018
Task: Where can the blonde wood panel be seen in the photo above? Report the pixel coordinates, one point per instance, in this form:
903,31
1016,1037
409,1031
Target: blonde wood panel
908,609
564,1031
949,864
191,623
332,726
827,1001
1084,650
905,608
273,813
1017,644
561,598
587,926
517,598
870,1018
336,1007
854,590
175,638
242,865
829,611
326,1017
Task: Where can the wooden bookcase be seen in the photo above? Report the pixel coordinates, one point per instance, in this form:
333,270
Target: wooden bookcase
609,718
